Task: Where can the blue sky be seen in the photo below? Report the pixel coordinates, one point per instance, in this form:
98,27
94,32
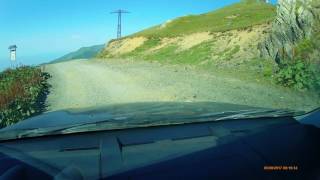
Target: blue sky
46,29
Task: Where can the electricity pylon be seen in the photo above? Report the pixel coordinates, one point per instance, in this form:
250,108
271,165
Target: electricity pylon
119,12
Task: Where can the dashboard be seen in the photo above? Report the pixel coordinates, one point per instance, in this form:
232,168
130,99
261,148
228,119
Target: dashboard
263,148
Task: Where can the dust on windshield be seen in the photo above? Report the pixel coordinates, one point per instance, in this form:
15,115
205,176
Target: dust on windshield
261,54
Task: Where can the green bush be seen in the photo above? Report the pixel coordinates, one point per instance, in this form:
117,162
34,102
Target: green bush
297,74
22,94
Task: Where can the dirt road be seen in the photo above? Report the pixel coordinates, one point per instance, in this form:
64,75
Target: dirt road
79,84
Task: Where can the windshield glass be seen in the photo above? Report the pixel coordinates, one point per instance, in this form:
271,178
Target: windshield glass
144,63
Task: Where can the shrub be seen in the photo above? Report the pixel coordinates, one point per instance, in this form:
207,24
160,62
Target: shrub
22,94
296,74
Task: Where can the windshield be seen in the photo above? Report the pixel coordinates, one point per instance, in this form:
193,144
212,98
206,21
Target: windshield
144,63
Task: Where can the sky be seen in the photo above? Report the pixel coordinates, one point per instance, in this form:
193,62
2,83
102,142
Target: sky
47,29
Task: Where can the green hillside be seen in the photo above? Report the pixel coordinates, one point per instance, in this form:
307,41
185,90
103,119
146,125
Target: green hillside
241,39
227,37
236,16
82,53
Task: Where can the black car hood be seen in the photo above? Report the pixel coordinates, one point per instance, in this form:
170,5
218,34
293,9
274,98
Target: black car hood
143,114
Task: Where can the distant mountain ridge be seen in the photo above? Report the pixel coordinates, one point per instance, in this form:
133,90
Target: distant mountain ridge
82,53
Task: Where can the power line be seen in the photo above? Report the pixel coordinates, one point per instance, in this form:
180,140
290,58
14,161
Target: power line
119,12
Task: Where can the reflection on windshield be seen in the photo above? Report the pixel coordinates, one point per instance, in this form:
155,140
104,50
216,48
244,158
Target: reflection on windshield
232,53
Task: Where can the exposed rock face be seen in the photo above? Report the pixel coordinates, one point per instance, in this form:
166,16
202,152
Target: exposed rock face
294,22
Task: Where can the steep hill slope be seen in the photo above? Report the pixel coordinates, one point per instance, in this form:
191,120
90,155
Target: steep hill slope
236,16
82,53
225,37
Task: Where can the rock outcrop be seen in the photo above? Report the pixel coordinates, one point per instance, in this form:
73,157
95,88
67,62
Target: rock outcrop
295,21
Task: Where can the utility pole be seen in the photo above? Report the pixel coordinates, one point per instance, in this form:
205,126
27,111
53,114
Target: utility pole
119,12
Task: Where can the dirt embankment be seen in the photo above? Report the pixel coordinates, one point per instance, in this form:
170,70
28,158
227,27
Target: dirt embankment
227,48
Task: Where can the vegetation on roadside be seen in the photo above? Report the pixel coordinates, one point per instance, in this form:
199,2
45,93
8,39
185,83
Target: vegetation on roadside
22,94
303,70
297,74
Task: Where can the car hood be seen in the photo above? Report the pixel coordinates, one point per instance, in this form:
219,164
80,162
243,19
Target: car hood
144,114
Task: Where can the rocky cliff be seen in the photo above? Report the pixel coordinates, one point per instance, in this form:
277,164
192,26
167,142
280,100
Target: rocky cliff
295,21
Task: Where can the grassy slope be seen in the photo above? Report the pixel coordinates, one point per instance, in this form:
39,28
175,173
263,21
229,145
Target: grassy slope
245,15
248,14
82,53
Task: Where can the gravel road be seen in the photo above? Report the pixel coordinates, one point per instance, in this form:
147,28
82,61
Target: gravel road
81,83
